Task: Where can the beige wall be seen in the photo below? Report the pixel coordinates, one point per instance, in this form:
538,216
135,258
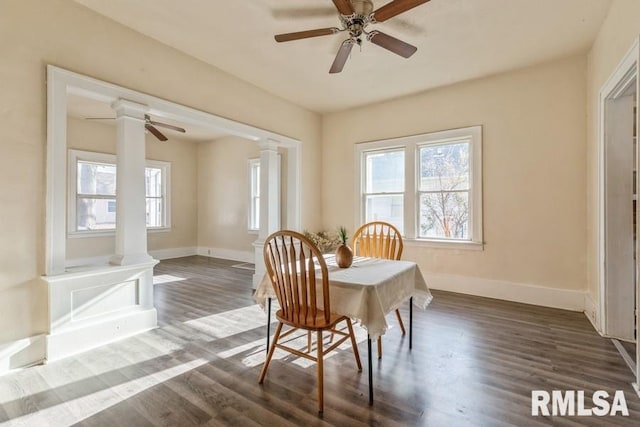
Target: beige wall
223,193
617,34
533,164
99,137
34,33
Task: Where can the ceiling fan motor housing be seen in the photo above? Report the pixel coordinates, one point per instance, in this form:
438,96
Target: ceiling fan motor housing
362,7
361,17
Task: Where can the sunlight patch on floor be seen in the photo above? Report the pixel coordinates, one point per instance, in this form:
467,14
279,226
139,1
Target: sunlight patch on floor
232,322
166,278
93,403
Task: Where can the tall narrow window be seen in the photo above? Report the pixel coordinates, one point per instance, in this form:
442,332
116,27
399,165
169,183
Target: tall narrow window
155,197
383,194
254,194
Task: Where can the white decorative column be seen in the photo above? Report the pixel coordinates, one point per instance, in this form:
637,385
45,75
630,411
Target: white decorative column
91,307
131,225
269,201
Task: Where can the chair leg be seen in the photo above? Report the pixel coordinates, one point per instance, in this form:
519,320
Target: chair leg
309,342
379,347
270,354
320,374
400,322
354,345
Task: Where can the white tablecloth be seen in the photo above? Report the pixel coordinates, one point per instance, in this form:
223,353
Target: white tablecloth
367,290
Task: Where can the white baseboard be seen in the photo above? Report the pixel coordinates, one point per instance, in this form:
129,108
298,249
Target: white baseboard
174,252
22,353
509,291
591,312
230,254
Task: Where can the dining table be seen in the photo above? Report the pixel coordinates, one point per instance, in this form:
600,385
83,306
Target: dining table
366,292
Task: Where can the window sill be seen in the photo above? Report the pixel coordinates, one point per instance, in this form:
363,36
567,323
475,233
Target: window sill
443,244
110,233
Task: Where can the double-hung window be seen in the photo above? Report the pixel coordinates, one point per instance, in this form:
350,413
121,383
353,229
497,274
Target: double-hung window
429,186
92,193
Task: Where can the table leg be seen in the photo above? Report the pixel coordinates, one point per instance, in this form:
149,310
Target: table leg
370,370
410,323
268,321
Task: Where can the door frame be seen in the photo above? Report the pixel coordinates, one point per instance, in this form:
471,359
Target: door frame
615,86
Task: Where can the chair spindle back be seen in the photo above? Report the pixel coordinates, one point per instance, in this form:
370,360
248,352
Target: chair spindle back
292,262
377,239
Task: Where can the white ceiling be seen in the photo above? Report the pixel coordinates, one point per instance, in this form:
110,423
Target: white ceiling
457,40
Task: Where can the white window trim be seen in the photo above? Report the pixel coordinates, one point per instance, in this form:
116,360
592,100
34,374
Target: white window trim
92,156
411,144
252,230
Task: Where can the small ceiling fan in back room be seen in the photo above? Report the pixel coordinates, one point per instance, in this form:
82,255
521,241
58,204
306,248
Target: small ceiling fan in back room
355,16
149,125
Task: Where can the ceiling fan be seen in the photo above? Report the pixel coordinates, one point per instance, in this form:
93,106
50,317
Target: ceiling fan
355,16
149,125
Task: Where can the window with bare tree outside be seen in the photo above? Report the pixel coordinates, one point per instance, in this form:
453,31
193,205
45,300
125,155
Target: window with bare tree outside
429,186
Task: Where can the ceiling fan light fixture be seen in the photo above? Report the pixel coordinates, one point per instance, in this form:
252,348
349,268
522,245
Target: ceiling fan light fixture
355,15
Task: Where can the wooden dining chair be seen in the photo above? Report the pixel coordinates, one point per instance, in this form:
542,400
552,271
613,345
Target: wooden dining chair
379,239
293,262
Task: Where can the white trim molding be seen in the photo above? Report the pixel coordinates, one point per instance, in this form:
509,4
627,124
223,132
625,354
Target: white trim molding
617,81
230,254
591,311
171,253
565,299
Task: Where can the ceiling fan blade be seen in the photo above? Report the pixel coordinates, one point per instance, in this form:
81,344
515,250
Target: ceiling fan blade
394,8
287,37
391,43
342,56
155,132
344,7
165,125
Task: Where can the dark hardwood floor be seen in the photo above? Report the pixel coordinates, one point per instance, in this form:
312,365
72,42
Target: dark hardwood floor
474,363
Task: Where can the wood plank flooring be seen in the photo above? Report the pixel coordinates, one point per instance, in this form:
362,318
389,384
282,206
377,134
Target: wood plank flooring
474,363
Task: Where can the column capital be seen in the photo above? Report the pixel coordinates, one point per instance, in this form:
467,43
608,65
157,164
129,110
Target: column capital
126,108
269,144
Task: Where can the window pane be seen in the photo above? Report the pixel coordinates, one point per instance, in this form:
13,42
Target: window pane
154,212
384,171
255,179
389,208
96,214
96,178
153,178
444,167
444,215
255,213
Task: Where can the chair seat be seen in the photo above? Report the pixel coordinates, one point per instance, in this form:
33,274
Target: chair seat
312,323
